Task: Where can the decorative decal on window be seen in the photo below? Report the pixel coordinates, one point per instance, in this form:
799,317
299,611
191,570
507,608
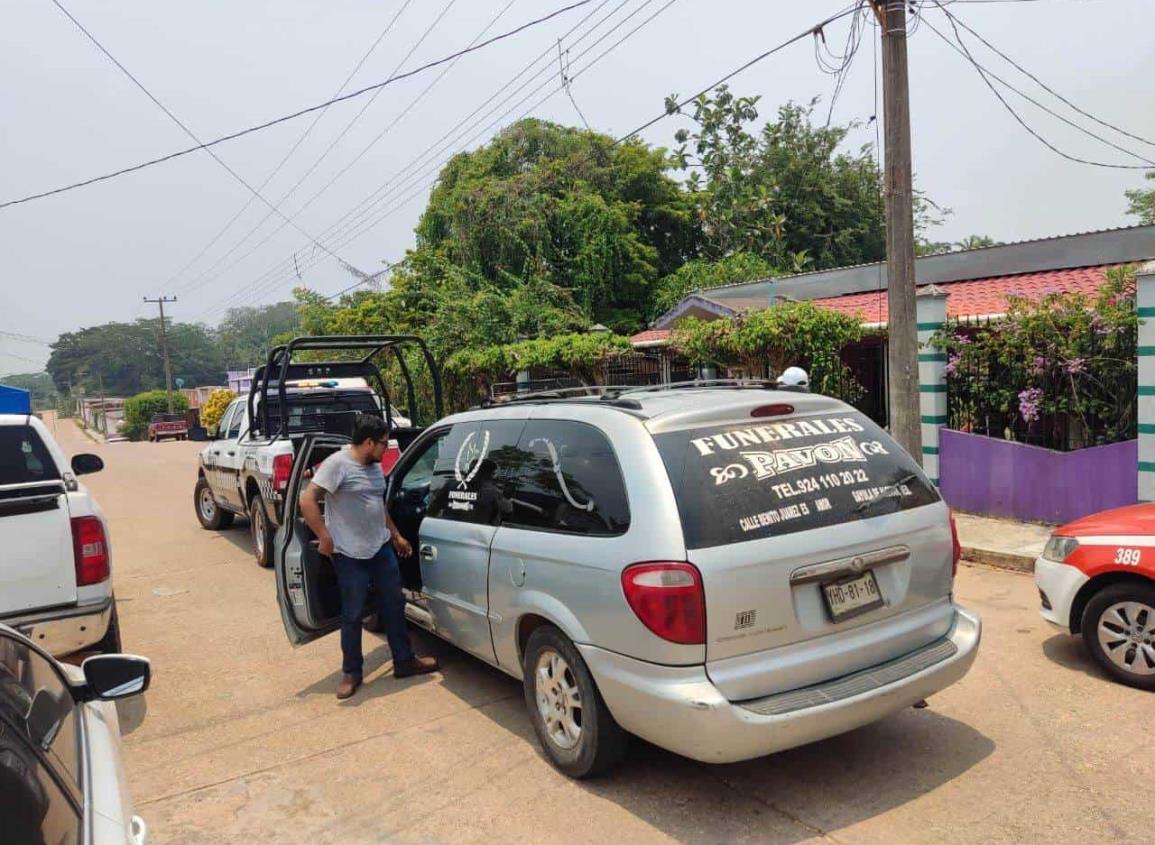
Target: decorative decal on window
556,465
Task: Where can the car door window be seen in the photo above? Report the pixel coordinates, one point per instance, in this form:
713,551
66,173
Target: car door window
416,483
36,698
226,421
564,476
38,740
465,485
236,421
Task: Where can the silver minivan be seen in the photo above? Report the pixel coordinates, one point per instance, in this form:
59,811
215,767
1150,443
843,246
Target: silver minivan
723,570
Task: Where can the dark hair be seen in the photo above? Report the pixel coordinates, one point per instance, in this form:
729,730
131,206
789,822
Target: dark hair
368,427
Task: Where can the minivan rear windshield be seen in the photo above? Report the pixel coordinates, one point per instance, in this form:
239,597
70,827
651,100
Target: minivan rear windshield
309,411
739,482
24,458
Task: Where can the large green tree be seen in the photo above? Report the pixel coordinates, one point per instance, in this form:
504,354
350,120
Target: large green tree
571,208
245,334
1141,202
127,357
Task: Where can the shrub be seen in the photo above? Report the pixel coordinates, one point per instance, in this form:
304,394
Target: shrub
214,407
139,410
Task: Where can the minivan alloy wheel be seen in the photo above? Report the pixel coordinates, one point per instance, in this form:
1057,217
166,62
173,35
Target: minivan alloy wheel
1126,633
558,699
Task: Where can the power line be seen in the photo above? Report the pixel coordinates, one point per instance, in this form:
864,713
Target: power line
300,140
26,338
987,75
173,117
198,283
669,112
300,113
1044,85
364,208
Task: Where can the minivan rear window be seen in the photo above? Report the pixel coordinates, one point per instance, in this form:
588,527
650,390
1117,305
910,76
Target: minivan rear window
739,482
24,458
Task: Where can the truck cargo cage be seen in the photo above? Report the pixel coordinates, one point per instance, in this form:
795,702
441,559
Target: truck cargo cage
281,370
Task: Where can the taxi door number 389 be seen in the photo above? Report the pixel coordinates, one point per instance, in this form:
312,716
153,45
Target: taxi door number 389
1127,557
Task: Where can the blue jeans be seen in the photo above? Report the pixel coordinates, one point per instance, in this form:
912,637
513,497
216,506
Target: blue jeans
354,576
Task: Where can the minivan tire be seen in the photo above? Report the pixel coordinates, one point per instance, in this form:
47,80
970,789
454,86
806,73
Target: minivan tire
262,531
212,518
1099,605
600,742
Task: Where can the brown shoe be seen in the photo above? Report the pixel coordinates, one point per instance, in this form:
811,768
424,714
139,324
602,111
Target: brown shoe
416,666
348,686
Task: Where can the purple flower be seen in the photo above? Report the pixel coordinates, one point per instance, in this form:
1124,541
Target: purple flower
1076,366
1029,403
961,339
951,365
1098,324
1038,366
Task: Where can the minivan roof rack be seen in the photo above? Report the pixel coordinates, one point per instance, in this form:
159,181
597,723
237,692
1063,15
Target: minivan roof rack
618,394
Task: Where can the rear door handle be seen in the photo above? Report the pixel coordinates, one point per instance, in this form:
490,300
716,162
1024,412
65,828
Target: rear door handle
230,453
428,552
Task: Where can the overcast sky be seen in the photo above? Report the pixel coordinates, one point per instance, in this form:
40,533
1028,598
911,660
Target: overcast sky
89,256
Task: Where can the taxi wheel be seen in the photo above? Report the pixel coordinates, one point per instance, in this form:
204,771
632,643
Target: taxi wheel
1119,631
571,720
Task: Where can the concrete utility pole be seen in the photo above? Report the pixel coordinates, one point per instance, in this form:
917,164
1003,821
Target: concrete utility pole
902,357
103,405
164,345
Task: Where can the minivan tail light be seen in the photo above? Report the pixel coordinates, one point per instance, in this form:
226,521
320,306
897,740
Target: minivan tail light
282,467
89,550
956,547
667,597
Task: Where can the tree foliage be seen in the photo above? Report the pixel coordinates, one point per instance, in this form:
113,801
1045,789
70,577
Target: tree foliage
701,274
214,407
139,411
1141,202
245,334
790,334
1058,372
128,358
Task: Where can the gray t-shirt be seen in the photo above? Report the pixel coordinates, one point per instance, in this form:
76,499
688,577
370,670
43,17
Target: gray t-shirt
355,504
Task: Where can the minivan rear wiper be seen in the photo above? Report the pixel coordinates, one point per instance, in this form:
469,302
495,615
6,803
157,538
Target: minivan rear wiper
890,491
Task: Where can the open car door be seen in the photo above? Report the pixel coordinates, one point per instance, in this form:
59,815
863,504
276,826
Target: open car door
307,590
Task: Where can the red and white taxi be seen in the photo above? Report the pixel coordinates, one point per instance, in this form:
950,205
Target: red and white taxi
1096,577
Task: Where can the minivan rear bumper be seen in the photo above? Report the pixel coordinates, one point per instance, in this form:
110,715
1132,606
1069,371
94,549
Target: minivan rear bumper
65,630
678,708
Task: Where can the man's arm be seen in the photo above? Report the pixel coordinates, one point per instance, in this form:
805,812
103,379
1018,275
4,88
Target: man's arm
310,504
403,546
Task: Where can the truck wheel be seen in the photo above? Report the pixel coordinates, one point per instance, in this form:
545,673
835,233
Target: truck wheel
262,532
110,642
1119,631
210,514
571,720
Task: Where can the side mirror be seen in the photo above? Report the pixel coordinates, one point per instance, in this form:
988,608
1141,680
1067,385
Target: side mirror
85,464
113,676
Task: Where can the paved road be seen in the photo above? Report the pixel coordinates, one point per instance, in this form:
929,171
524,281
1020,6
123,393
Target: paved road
240,739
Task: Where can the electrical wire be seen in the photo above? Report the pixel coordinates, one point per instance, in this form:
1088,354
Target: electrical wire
455,135
669,112
285,263
1046,87
325,153
178,121
284,160
987,75
300,113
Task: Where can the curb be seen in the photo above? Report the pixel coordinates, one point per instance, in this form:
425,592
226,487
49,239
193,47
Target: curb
1000,560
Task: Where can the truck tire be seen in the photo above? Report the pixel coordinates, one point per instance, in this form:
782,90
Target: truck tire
110,642
575,728
211,515
262,531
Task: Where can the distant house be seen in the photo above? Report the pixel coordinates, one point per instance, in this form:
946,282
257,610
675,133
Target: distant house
977,281
241,380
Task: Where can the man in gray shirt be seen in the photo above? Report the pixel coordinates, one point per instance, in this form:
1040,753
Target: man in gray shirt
356,531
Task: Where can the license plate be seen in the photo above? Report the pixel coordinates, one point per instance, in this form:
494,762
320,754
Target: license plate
852,596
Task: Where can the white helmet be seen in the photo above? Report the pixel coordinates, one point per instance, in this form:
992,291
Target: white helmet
794,377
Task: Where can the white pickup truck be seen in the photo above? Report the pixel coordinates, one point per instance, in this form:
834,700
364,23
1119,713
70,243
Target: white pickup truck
245,472
55,567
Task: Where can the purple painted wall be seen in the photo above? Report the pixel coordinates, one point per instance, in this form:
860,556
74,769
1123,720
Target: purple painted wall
1000,478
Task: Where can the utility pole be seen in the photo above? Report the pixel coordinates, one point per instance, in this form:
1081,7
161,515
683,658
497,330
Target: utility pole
902,354
103,406
160,301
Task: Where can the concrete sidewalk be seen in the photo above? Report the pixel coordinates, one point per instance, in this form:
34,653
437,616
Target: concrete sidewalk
1001,542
